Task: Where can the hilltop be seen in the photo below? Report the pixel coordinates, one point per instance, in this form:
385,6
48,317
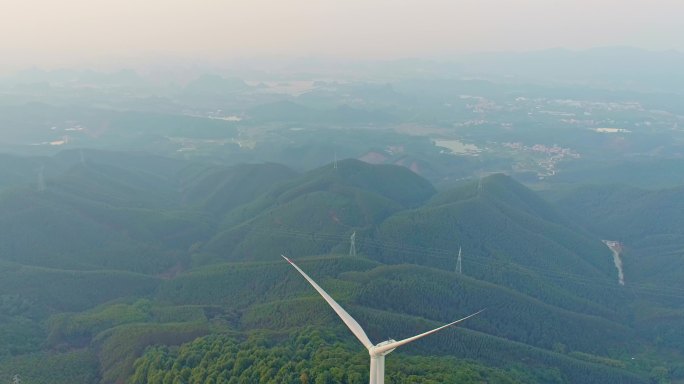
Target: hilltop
306,214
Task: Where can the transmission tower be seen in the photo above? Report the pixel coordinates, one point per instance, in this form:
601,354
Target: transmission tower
352,246
335,161
459,268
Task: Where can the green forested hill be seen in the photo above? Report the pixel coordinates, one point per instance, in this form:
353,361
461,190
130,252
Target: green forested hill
631,215
315,208
513,240
649,225
57,229
109,259
220,189
412,290
37,290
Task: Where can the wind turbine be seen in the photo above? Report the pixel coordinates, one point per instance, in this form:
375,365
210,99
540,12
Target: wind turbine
378,351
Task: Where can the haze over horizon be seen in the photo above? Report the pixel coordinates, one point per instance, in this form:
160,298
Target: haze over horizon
46,34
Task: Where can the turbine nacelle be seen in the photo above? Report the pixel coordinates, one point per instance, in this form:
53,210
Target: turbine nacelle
378,350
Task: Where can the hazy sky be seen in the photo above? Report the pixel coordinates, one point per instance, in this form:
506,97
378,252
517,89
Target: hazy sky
63,32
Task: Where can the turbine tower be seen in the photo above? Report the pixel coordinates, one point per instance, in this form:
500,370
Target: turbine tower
378,351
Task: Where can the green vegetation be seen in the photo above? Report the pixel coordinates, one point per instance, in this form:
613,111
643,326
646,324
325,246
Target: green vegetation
214,189
649,226
170,272
119,346
48,290
78,366
308,357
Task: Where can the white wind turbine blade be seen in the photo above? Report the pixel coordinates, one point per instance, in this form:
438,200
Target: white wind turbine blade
348,320
390,346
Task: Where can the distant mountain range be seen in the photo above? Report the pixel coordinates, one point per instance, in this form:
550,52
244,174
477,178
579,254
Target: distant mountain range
623,67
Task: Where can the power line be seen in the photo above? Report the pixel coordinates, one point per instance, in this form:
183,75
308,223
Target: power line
484,261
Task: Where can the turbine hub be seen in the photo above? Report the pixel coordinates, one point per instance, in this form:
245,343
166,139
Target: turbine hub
372,350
